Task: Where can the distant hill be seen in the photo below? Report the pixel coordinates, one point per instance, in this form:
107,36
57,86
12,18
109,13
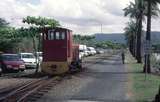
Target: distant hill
120,37
114,37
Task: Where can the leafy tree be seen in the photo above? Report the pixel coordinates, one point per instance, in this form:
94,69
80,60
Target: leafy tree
8,37
88,40
41,21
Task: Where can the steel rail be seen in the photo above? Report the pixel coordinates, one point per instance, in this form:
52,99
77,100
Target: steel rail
20,89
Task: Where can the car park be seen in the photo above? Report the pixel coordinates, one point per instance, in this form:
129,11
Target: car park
29,59
11,62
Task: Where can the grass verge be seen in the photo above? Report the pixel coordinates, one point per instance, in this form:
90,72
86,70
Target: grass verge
142,90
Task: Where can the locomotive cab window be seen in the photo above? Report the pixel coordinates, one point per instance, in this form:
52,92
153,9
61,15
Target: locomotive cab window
57,35
51,35
63,35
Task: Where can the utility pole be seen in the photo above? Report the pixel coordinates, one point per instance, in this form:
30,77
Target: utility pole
101,28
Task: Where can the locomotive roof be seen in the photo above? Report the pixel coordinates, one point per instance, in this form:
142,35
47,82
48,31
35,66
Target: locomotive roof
61,28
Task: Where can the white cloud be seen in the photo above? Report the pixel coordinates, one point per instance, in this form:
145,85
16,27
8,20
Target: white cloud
82,16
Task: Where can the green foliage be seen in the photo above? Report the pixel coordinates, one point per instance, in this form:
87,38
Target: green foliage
87,40
41,21
8,37
109,44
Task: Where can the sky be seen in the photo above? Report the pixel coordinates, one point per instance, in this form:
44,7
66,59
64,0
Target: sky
81,16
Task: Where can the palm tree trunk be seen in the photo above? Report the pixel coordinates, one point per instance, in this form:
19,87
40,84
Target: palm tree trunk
139,34
131,45
148,38
134,46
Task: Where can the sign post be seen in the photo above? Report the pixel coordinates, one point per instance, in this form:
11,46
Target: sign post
147,51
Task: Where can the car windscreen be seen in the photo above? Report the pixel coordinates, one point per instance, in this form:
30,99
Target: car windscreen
10,57
81,51
88,49
27,56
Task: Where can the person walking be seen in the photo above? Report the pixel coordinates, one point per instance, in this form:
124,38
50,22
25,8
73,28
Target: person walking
123,57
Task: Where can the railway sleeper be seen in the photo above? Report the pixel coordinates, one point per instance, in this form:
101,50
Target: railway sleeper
30,99
36,95
43,91
40,93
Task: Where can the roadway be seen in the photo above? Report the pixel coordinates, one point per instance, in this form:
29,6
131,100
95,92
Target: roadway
104,80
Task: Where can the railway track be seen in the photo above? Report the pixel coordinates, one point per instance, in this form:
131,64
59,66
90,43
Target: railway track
28,91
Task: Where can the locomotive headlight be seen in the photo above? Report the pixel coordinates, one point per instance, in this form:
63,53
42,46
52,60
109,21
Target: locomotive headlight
9,66
53,66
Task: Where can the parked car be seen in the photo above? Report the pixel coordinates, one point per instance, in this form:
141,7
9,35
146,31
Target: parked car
11,62
29,59
99,51
83,50
91,50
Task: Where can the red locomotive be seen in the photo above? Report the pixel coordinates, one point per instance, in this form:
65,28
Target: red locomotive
60,55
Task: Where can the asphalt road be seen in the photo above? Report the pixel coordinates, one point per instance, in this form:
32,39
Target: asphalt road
104,80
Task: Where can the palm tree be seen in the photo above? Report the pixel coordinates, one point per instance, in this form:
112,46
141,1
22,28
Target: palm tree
130,34
152,5
136,11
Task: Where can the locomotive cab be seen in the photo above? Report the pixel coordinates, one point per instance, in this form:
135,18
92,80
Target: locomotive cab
57,50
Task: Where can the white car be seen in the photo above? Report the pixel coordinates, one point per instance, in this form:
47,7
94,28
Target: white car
91,50
83,50
81,54
99,51
29,59
87,52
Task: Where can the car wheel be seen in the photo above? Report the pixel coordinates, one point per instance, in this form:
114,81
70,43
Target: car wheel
4,70
22,70
16,71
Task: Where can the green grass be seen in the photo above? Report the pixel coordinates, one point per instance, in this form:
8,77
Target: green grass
143,90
